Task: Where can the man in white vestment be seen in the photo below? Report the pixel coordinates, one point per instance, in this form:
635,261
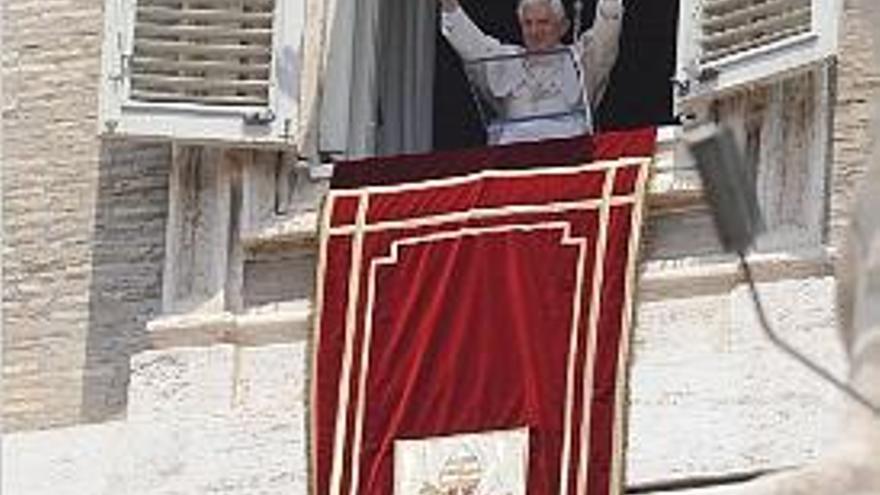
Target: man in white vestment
544,89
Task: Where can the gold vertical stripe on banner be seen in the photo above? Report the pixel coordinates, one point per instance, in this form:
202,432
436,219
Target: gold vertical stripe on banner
320,283
577,309
596,301
350,329
622,376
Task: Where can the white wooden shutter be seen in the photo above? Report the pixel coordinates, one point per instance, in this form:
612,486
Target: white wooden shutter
724,44
202,70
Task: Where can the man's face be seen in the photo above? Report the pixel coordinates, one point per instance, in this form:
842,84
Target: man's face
541,28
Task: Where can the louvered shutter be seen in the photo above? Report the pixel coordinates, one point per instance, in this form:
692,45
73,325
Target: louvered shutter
724,44
202,70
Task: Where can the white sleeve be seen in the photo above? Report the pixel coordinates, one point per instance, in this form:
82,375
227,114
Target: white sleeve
599,46
467,39
495,78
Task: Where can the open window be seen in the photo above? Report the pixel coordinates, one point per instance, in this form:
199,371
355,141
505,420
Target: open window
378,73
725,44
376,82
202,71
391,83
639,92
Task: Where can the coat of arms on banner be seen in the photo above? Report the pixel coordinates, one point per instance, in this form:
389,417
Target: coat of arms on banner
488,463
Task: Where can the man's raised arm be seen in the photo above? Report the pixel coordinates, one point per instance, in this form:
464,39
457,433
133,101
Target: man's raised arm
461,32
449,5
600,45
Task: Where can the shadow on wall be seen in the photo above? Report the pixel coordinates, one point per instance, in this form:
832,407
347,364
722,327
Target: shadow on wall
126,284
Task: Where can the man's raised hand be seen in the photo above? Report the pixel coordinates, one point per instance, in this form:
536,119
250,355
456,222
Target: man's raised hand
610,9
449,5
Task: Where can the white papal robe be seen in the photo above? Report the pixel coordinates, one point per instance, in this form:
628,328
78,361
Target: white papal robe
539,96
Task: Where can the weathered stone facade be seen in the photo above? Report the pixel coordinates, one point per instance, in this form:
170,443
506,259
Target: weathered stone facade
83,225
858,79
218,404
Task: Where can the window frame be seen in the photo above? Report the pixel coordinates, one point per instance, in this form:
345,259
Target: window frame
698,83
193,123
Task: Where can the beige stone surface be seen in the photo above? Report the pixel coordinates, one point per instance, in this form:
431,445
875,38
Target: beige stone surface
711,396
232,419
83,248
850,462
221,420
83,225
857,83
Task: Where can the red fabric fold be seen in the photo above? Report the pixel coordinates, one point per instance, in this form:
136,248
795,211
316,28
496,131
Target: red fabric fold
488,294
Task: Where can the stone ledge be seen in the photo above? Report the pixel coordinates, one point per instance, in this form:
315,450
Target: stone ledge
276,323
672,188
295,230
668,279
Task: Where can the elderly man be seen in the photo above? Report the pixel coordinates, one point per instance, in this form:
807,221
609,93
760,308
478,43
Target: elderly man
543,89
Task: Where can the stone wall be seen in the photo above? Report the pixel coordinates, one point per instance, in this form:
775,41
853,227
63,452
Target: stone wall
858,80
84,234
83,224
232,419
220,419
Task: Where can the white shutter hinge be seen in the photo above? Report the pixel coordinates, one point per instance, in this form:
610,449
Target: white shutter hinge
694,77
124,61
707,75
286,134
682,86
261,117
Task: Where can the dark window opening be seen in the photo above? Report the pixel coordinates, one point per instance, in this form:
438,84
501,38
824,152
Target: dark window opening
639,92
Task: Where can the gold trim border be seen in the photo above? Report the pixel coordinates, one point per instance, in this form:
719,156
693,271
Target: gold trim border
361,228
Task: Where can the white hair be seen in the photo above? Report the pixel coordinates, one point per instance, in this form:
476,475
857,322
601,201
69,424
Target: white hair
555,5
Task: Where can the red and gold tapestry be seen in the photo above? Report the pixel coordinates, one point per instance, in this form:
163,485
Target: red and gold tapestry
472,321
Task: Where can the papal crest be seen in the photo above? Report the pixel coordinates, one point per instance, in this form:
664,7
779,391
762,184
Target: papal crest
487,463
